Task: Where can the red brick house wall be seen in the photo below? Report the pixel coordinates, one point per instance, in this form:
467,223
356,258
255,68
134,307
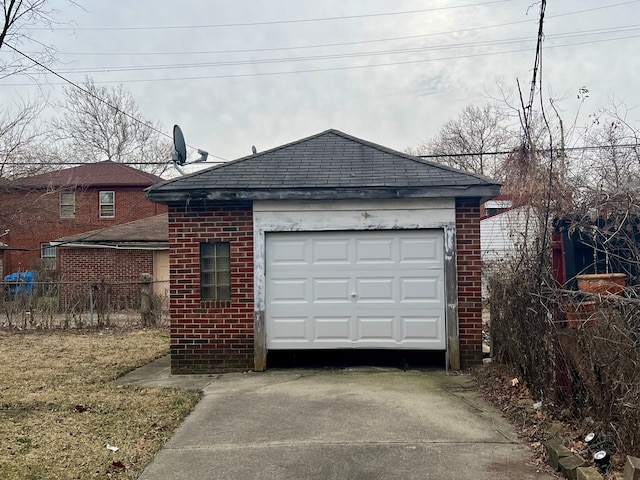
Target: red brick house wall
118,269
469,264
209,336
33,218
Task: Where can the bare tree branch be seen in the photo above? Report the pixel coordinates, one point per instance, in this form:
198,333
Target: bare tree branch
100,123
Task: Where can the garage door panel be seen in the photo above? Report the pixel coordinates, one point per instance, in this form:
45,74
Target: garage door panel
420,290
375,290
332,329
288,252
333,252
366,289
289,290
375,328
421,251
331,290
290,330
422,329
375,251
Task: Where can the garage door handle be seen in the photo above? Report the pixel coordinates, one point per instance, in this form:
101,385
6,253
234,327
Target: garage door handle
354,294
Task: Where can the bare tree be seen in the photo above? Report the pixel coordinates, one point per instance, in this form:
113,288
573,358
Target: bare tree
99,123
18,17
22,151
21,147
468,142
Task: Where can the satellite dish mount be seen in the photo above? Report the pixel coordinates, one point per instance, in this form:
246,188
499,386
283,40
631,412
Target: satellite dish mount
179,156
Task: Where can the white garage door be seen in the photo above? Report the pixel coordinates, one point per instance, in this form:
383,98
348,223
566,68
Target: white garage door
368,289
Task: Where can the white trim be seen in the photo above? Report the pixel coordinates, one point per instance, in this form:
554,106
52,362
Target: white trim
116,247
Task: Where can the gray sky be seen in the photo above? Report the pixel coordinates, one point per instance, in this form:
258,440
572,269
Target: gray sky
239,73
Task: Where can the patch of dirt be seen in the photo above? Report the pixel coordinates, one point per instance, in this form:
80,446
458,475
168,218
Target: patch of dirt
535,422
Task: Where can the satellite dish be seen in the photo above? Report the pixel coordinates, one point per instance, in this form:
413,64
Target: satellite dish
254,149
180,154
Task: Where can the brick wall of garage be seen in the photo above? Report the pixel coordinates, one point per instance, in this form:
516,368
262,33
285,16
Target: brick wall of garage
208,336
469,264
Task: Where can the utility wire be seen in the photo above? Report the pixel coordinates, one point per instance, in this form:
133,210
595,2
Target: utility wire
541,150
279,22
299,47
327,69
433,155
345,55
91,94
320,19
597,31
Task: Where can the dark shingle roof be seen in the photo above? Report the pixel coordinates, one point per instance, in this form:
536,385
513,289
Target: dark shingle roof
100,174
331,164
151,229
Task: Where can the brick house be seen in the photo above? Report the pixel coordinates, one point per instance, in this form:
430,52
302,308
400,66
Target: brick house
38,209
116,257
328,242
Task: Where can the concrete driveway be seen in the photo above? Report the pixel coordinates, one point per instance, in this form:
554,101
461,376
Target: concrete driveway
353,423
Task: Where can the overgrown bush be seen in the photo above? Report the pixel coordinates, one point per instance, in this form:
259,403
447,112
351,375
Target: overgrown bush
588,369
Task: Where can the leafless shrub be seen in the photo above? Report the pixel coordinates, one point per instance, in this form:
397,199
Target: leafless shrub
52,304
578,352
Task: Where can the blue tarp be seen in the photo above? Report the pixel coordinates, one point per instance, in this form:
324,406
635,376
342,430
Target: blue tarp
19,282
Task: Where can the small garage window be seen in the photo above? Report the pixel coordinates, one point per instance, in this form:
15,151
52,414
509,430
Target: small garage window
215,271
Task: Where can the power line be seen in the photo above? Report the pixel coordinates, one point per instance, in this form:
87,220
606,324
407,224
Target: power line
298,47
330,69
319,19
278,22
602,31
64,162
101,100
434,155
542,150
341,44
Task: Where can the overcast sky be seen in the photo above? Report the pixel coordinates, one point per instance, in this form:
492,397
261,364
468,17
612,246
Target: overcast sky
239,73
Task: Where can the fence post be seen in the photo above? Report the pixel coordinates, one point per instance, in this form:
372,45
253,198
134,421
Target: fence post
146,300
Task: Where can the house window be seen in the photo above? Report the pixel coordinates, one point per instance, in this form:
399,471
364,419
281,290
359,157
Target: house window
48,255
67,204
215,271
107,204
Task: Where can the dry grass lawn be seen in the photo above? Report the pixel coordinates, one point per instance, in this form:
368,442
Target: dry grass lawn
60,406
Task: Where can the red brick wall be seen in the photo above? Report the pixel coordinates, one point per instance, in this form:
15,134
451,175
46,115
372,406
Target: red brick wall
120,271
33,218
209,336
469,281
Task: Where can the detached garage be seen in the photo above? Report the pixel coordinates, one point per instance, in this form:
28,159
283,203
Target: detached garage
330,242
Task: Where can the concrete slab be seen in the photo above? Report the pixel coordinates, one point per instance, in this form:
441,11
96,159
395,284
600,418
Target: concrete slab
357,423
158,374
